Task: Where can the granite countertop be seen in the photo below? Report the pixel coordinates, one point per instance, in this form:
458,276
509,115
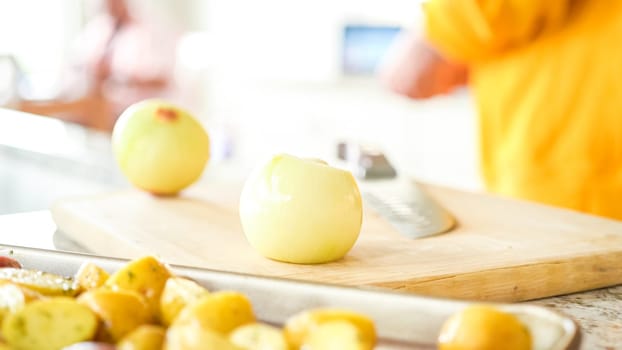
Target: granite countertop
44,159
598,313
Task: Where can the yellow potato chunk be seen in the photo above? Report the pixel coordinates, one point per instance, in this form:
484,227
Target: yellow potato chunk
49,324
145,337
192,336
220,311
14,297
91,276
481,327
336,335
299,326
121,311
46,283
259,336
178,292
146,275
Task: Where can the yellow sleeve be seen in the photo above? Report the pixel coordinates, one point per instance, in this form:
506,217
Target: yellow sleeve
474,30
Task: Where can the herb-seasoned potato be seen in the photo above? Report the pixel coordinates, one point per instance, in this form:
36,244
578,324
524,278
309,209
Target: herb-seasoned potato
91,276
192,336
299,326
221,311
178,292
145,337
142,306
259,336
336,335
43,282
146,275
121,311
14,297
49,324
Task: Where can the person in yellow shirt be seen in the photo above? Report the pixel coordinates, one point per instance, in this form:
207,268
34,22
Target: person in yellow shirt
546,77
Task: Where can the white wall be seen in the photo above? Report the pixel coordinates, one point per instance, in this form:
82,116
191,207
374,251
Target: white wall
431,140
39,33
294,39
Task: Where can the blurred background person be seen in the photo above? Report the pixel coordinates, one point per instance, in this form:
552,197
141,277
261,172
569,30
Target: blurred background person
545,76
123,55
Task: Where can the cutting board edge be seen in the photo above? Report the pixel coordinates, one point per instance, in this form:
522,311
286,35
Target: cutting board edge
559,277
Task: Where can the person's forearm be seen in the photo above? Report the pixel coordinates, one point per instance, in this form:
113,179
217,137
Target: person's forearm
416,70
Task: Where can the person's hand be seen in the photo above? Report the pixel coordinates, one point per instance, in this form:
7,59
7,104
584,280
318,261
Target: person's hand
413,68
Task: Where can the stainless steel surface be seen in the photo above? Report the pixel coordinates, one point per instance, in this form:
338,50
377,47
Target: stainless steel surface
11,75
366,162
403,321
64,243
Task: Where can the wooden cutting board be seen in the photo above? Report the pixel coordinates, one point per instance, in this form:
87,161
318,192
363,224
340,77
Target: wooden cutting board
502,249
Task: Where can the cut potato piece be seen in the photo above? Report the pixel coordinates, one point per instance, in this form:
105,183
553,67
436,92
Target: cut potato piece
121,311
221,311
146,275
300,325
145,337
483,327
178,292
259,336
91,276
193,336
14,297
49,324
43,282
336,335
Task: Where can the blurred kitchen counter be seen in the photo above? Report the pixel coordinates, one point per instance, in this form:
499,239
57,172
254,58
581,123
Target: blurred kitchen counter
43,160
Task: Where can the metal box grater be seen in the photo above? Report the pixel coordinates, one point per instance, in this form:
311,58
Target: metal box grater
405,206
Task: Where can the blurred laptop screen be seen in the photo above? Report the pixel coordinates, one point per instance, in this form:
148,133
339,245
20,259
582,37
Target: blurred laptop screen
364,47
